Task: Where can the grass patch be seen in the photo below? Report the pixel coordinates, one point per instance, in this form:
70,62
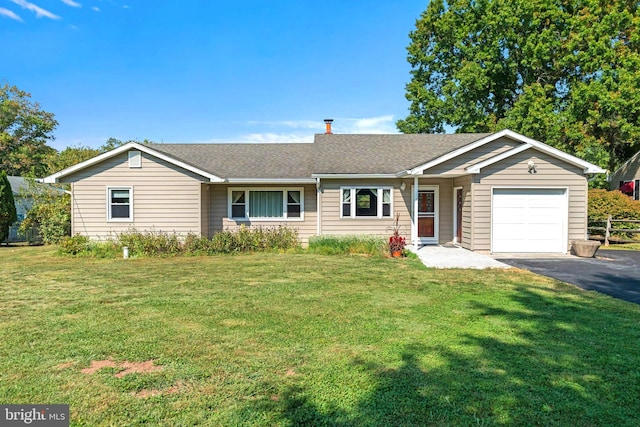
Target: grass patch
305,339
348,245
622,247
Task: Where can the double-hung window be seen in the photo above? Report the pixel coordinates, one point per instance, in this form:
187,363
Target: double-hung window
120,203
266,203
363,202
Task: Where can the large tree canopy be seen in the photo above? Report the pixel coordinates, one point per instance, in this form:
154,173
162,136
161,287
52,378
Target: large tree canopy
24,131
563,72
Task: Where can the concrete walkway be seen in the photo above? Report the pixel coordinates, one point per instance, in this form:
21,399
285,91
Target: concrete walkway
454,257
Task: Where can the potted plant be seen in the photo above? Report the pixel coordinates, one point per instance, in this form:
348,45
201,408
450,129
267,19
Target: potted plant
396,241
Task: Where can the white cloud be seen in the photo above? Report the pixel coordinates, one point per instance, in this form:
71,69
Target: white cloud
9,14
35,9
71,3
95,9
369,125
261,138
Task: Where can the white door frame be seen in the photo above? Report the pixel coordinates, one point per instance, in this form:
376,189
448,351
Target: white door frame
418,241
455,214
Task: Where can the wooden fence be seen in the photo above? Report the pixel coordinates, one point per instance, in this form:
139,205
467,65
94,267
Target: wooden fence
609,229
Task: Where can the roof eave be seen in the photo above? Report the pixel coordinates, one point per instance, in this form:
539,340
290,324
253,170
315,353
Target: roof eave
354,175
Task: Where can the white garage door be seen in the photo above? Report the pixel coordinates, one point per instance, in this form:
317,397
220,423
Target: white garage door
529,220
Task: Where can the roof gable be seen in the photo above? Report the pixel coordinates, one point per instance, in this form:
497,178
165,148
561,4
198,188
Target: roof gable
526,144
122,149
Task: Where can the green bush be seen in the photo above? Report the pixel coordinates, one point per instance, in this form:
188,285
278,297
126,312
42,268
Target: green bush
603,203
620,206
348,245
50,214
74,245
156,243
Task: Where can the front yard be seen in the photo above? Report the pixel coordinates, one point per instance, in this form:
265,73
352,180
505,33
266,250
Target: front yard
301,339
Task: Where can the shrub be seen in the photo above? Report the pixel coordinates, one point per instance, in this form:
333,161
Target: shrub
74,245
155,243
603,203
151,243
196,245
50,213
348,245
620,206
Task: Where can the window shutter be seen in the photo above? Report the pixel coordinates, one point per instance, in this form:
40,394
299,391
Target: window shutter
636,190
135,159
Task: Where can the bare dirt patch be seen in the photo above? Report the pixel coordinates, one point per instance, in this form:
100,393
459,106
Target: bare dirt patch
127,367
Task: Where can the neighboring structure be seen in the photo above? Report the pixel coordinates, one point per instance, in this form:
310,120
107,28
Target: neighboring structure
18,188
499,192
627,178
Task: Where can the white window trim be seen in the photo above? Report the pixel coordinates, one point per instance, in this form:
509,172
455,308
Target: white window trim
109,218
284,203
379,188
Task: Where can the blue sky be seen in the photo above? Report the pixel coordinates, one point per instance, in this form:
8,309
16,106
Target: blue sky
210,71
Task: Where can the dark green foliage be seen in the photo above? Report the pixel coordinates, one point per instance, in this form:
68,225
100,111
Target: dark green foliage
8,213
565,73
24,131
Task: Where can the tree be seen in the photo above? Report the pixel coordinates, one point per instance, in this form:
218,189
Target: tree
50,213
8,213
24,131
70,156
566,73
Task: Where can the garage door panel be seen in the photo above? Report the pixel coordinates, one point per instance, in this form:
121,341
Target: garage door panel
529,220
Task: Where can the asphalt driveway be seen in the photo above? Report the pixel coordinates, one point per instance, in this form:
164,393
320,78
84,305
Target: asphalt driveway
615,273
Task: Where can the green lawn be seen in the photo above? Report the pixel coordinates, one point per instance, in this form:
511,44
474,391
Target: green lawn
301,339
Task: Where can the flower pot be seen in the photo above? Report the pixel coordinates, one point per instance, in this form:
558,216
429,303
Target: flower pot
585,248
396,254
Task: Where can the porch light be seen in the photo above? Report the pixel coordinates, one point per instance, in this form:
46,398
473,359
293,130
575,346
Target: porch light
532,167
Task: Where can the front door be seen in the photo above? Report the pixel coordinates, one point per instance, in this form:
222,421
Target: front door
427,209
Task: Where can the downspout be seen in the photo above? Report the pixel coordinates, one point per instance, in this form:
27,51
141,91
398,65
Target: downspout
318,207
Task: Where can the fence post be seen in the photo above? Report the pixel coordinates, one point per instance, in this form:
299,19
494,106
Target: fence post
607,233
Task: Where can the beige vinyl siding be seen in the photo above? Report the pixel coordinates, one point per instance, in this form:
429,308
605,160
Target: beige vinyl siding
513,172
165,198
457,165
219,213
629,171
332,224
467,218
205,205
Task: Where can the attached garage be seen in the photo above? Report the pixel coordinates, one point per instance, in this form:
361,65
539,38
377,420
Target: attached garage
529,220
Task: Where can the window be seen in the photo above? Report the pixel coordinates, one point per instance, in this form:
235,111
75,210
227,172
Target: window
266,203
119,204
135,159
366,202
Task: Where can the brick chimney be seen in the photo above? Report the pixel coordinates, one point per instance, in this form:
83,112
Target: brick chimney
327,123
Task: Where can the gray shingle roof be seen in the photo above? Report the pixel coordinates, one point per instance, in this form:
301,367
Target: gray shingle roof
329,154
382,154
